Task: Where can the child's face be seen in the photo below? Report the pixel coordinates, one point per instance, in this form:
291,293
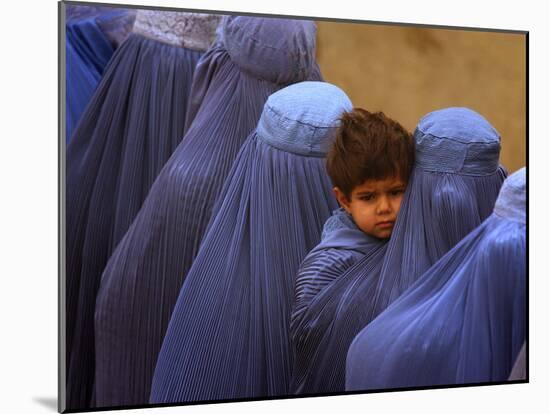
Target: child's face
374,205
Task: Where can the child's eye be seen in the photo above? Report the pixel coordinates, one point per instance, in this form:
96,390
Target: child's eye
397,192
367,197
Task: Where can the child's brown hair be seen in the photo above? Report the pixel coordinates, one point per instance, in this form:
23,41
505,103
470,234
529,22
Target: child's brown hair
369,146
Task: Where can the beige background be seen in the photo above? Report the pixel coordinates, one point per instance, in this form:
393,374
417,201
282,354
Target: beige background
407,72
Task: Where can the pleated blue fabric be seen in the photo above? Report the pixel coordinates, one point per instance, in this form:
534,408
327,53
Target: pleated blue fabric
464,321
130,128
142,280
229,333
342,245
87,52
452,188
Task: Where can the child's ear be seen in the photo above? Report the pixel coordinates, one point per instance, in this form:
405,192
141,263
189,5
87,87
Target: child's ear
342,199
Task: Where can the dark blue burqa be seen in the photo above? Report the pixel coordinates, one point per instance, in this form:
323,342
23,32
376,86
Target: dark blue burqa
229,333
452,188
464,320
130,128
254,58
87,52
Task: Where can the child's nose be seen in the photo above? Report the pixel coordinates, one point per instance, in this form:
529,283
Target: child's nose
384,205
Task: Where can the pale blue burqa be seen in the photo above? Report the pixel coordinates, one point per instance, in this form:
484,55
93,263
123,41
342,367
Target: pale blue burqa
464,320
253,58
229,335
452,188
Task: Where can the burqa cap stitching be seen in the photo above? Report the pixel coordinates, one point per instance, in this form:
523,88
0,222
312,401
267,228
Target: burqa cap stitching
303,118
457,140
273,49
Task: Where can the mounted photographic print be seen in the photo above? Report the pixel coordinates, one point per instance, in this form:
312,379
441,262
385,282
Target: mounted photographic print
257,207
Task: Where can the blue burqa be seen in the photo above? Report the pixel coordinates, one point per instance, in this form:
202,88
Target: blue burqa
229,333
452,188
87,52
131,126
254,58
464,320
92,35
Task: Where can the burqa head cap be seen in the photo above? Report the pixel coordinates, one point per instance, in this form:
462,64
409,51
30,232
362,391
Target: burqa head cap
273,49
303,118
457,140
511,201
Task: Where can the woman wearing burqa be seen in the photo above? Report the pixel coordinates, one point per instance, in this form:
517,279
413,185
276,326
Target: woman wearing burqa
92,35
229,333
254,58
464,321
452,188
129,129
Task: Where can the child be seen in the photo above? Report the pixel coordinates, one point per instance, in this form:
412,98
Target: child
369,165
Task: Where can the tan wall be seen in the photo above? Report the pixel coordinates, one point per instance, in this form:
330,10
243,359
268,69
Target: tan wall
407,72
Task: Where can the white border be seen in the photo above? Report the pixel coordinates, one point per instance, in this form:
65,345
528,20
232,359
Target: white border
28,216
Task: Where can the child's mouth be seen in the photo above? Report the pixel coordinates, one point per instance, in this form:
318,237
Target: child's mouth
385,224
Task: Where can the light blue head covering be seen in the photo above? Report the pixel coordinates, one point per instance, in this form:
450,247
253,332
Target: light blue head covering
237,296
458,141
274,49
511,202
303,118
